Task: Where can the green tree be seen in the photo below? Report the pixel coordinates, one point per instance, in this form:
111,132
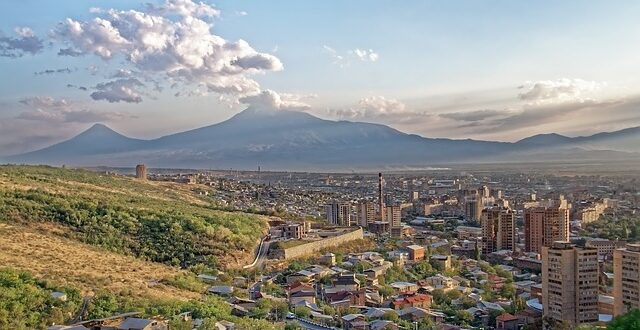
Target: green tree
628,321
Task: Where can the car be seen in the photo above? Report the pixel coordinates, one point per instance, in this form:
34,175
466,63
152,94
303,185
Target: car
291,316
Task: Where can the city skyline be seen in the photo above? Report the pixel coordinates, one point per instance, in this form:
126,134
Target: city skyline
496,71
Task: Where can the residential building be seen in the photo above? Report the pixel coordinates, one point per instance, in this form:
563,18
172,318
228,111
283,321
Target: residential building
626,283
141,172
338,214
498,229
416,252
544,225
393,215
570,283
366,213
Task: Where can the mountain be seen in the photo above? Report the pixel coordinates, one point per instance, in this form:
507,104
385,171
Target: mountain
98,140
292,140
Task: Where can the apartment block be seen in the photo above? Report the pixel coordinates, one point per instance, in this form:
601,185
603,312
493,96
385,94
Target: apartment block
570,283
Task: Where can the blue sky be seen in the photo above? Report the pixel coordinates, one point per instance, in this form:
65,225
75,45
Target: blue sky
499,70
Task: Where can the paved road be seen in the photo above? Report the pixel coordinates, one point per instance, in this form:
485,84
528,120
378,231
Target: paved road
261,255
310,326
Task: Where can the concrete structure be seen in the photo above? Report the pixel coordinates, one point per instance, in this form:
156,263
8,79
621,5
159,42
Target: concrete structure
570,283
314,246
544,225
393,215
141,172
416,252
440,262
338,214
626,283
381,198
498,229
366,213
468,233
605,247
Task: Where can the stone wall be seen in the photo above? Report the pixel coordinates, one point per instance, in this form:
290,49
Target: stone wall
315,246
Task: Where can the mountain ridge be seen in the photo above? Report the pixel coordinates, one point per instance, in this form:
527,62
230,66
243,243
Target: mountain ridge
298,140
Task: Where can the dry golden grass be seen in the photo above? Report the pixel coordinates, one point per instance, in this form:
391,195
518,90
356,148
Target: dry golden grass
41,251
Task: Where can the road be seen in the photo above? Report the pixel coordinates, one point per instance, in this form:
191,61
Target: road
311,326
261,255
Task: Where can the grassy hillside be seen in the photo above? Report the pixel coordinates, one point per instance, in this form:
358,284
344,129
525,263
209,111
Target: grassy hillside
160,222
47,255
26,303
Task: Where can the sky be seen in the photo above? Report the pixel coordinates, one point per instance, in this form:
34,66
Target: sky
492,70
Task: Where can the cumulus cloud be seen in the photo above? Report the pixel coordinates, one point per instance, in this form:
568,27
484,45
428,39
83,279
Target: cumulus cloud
120,90
372,107
268,100
344,60
173,42
60,110
26,42
560,90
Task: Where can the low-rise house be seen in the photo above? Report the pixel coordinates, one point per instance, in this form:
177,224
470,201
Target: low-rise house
346,282
442,282
343,298
417,300
221,290
441,262
378,313
354,322
301,292
404,287
507,321
382,325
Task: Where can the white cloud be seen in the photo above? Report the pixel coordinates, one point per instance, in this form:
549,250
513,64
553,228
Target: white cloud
45,102
560,90
268,100
365,55
120,90
345,60
372,107
172,42
26,42
53,110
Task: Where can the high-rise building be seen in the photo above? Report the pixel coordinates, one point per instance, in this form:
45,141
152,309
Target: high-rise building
498,229
141,172
393,214
338,214
546,224
626,281
380,198
473,207
366,212
414,196
570,283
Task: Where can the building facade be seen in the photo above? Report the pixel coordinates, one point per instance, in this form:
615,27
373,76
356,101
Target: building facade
498,229
626,283
570,283
366,213
544,225
338,214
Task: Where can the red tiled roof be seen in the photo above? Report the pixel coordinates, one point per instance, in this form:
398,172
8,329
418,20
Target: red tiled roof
506,317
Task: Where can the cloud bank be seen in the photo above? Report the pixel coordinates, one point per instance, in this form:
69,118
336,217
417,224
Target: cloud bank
172,43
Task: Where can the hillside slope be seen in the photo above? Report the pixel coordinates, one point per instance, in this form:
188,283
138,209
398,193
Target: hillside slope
43,252
160,222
